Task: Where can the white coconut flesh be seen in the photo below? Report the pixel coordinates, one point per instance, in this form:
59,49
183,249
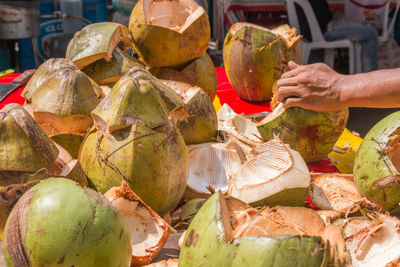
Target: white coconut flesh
211,165
240,221
174,15
377,244
335,192
271,168
149,231
184,90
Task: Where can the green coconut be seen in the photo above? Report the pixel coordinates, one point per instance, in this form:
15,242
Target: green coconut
226,232
169,33
108,72
59,223
312,134
24,145
97,41
200,72
135,139
377,164
255,57
202,124
70,142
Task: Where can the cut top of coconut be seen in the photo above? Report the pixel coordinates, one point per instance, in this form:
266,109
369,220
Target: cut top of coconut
149,231
97,41
24,145
175,15
270,168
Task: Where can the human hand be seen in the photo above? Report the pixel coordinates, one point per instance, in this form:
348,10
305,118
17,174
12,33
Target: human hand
314,87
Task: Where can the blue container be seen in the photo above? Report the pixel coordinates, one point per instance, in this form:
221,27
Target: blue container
95,10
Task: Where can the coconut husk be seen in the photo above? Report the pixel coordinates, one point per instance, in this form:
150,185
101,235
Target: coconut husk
62,104
200,72
135,139
226,232
24,145
202,124
169,33
70,142
97,41
255,58
273,174
109,72
149,231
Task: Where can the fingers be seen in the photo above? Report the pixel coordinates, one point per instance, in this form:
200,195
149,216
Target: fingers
293,65
292,81
287,92
293,72
293,102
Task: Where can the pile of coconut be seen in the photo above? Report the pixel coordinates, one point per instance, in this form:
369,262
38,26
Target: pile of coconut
118,149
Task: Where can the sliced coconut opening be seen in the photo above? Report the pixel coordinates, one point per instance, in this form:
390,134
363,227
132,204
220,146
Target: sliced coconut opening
53,125
175,15
240,221
211,165
270,169
333,192
393,148
184,90
148,230
377,244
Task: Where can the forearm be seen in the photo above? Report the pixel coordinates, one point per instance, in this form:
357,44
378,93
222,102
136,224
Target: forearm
377,89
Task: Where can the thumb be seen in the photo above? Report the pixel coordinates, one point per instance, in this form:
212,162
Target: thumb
293,65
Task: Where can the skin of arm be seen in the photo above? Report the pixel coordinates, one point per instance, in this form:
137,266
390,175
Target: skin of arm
317,87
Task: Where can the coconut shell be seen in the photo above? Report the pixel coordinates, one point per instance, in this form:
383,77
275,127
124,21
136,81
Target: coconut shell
226,232
255,58
149,231
97,41
70,142
377,164
108,72
24,145
62,104
159,41
135,140
200,72
202,124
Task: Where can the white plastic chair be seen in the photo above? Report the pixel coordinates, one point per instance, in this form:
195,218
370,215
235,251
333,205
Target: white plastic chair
318,40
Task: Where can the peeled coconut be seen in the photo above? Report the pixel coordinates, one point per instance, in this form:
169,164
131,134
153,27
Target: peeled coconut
135,139
338,192
372,243
169,33
255,57
202,124
210,166
273,174
97,41
107,72
200,72
227,232
312,134
149,231
377,164
84,229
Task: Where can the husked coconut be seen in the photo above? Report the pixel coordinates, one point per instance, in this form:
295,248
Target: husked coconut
338,192
169,33
107,72
135,139
201,125
273,174
373,243
255,57
312,134
377,164
97,41
227,232
200,72
149,231
210,166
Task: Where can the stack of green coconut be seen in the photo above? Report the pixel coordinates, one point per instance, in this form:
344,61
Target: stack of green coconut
128,116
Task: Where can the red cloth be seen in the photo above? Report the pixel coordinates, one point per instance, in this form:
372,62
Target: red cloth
14,97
